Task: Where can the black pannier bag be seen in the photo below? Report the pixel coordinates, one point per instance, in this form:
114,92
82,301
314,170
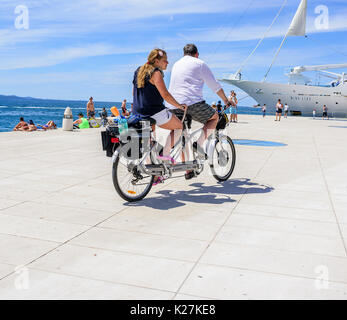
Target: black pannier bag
222,122
136,140
110,140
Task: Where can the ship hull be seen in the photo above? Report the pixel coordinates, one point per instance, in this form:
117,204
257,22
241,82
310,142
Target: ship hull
301,98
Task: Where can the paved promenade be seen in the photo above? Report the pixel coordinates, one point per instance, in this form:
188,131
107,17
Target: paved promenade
276,230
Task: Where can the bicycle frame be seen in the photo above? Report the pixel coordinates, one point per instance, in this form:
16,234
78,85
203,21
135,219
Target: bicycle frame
164,169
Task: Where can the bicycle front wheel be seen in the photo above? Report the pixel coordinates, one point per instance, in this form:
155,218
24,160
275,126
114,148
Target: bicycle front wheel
223,159
129,183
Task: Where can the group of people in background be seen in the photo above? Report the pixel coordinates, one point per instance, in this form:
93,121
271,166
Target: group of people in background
280,108
30,126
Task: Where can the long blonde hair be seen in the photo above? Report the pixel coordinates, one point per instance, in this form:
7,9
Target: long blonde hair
148,68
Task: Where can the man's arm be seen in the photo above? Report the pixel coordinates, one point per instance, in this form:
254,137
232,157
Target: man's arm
213,84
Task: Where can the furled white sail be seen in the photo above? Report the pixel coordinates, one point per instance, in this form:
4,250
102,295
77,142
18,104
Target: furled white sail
298,25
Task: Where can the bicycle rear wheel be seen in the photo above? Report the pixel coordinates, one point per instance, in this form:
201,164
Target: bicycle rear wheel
223,159
129,183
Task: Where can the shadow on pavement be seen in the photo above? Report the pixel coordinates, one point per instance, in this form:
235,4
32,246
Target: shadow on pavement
217,194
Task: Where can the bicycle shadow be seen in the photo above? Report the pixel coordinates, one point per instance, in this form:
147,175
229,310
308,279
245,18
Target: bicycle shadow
216,194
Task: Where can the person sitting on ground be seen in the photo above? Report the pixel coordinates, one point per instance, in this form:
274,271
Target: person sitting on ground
49,125
103,116
21,126
81,122
32,126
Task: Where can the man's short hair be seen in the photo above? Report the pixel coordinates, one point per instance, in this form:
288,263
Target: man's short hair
190,49
21,119
80,114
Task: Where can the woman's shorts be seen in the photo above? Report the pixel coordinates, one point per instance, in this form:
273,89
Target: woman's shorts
279,111
162,117
233,110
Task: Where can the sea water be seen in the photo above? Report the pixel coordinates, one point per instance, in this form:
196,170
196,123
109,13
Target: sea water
41,111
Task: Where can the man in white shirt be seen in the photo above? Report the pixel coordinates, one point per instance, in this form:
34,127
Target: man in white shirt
188,76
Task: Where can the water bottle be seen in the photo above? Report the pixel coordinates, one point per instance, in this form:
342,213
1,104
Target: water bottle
122,125
125,124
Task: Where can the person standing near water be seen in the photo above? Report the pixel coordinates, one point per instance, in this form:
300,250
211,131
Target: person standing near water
279,107
325,112
90,108
264,110
125,112
314,113
232,99
286,108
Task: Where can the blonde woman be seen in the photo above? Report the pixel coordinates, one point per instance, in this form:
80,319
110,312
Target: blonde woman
149,94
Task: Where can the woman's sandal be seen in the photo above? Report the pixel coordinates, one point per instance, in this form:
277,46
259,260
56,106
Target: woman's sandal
157,180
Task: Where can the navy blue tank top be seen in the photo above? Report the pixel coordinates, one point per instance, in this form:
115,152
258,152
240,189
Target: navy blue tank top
147,100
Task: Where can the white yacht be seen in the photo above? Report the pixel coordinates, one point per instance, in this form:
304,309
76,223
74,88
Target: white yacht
299,93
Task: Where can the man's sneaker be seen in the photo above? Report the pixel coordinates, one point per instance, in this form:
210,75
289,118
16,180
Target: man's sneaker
199,151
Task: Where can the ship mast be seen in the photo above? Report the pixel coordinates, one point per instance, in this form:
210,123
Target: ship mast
261,40
296,28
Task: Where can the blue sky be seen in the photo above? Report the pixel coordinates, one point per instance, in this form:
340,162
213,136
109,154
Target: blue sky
75,49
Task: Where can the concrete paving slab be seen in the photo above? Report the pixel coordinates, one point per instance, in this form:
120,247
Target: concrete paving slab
258,258
313,228
294,199
7,203
43,285
285,212
17,250
6,269
161,224
283,240
39,229
227,283
142,244
58,213
279,221
123,268
68,199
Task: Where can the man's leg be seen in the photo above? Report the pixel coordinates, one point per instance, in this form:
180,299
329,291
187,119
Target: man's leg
208,129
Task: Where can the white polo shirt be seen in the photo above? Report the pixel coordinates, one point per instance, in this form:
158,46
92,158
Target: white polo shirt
188,76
